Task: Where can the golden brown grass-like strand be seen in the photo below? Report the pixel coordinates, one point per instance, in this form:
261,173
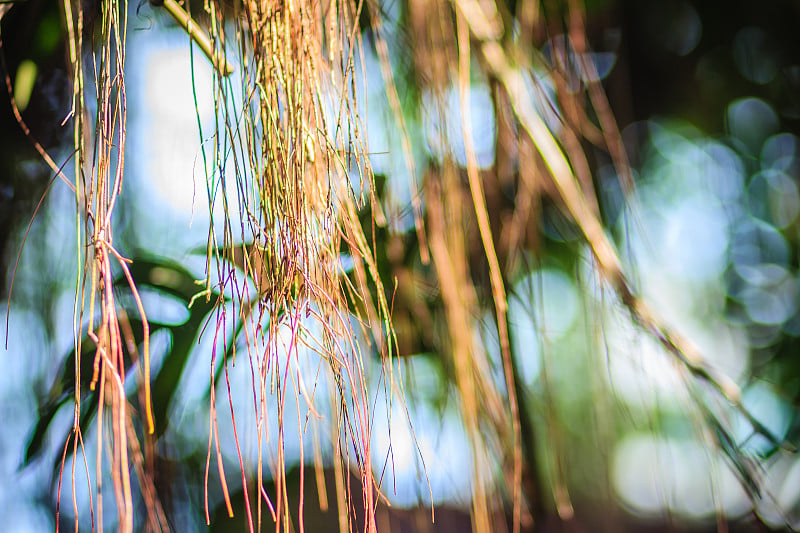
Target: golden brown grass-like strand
459,307
496,276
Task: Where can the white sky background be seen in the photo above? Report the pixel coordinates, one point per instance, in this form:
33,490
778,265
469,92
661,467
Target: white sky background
165,157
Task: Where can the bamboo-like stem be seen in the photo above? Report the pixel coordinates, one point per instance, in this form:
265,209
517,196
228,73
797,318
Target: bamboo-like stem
186,22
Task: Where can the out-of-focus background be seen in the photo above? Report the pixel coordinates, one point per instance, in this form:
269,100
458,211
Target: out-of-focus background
707,98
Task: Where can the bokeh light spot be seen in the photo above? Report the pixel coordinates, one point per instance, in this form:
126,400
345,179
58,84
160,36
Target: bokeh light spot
754,55
750,122
550,298
773,198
